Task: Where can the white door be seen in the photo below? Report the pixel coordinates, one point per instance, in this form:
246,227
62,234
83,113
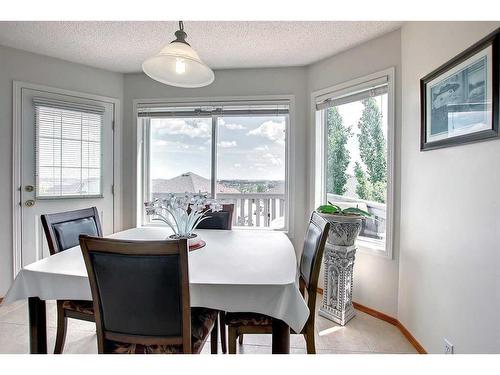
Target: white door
67,162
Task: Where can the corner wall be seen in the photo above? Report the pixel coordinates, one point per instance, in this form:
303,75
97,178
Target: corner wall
449,278
375,278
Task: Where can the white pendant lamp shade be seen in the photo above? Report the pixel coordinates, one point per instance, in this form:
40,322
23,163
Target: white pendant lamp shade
179,65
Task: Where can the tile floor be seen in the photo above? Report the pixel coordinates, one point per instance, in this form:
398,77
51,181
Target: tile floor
363,334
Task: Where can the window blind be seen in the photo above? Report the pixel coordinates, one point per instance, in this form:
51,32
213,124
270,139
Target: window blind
217,108
68,149
354,93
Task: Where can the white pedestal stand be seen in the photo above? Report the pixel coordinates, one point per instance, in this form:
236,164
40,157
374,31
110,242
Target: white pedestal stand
338,283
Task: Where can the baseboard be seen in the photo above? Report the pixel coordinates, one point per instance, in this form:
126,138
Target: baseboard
376,314
389,319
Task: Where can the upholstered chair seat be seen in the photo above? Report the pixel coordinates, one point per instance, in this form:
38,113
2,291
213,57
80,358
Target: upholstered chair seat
245,319
203,320
83,307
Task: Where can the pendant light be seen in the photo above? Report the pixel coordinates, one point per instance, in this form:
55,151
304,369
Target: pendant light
178,64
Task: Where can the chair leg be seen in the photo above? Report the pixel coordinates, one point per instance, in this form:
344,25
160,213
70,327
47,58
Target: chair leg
233,333
310,344
240,339
62,324
222,320
214,337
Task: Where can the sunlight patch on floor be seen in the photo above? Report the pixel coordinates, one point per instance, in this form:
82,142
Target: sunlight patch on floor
330,330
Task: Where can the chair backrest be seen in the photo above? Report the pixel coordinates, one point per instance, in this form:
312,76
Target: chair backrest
312,255
140,291
218,220
63,229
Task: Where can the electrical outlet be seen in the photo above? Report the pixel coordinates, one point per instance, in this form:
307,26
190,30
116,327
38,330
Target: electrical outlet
448,347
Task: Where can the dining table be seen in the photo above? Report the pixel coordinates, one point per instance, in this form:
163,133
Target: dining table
236,271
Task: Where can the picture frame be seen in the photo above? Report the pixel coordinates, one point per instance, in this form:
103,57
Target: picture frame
460,100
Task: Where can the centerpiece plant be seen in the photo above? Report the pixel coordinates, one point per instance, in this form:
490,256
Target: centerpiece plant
182,213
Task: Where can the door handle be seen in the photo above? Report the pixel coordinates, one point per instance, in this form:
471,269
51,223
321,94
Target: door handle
29,188
29,203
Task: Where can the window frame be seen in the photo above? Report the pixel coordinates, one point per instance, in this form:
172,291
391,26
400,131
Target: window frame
319,148
142,150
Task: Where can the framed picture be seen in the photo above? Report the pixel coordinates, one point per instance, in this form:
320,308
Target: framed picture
460,100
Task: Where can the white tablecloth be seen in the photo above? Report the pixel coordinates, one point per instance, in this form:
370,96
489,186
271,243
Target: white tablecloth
238,270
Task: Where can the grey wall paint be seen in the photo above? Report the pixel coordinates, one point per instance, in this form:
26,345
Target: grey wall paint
375,278
449,258
32,68
238,82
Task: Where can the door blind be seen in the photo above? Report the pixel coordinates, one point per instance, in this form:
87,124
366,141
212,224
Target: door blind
68,149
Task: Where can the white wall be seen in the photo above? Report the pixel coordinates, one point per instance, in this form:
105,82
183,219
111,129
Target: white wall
375,278
449,281
28,67
237,82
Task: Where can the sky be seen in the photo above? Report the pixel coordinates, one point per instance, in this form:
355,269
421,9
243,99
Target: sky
250,148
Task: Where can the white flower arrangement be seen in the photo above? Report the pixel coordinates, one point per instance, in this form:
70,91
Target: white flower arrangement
182,213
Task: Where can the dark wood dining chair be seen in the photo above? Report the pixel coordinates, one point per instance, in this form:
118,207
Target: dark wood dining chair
310,264
62,231
222,220
218,220
140,291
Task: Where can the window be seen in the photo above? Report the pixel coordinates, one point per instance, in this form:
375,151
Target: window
357,128
236,153
68,149
180,155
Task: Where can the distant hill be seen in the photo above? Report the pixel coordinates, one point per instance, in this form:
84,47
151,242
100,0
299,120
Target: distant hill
193,183
187,182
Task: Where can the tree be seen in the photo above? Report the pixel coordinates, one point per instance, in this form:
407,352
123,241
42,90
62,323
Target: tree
363,187
372,149
338,154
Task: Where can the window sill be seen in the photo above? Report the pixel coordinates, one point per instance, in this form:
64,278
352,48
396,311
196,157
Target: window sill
371,248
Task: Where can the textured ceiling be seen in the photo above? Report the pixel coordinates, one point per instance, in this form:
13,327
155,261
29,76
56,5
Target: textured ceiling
122,46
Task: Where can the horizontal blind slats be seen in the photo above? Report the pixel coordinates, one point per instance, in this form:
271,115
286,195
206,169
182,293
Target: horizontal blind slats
360,91
70,106
68,149
353,97
277,108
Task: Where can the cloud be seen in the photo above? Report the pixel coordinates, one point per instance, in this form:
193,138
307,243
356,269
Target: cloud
261,148
227,144
273,159
165,145
274,131
234,126
159,142
191,128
